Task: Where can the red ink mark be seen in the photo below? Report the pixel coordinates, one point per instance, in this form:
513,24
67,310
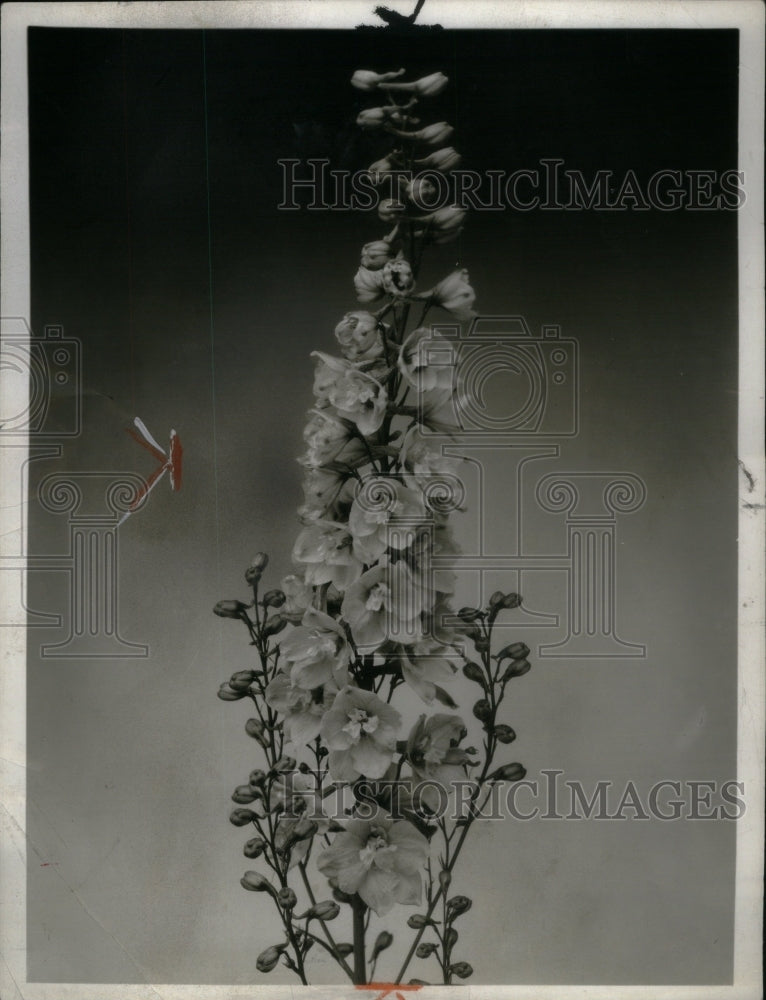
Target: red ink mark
47,864
172,464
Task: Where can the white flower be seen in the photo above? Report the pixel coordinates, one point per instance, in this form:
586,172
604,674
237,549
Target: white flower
425,664
370,522
366,79
316,652
382,604
359,336
360,732
427,361
297,593
303,709
397,278
354,394
368,285
328,439
326,549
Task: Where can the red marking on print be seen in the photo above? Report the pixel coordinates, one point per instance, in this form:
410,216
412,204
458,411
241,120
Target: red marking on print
172,463
387,988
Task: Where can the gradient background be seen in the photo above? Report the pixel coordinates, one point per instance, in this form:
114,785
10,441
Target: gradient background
197,310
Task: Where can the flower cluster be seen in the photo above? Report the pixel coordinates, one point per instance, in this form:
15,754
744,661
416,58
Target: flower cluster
366,618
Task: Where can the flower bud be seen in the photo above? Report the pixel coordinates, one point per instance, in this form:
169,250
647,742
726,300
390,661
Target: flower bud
496,599
273,599
445,879
268,959
344,949
375,254
508,772
430,86
418,982
257,777
243,795
515,651
441,159
242,680
458,905
474,673
255,882
274,625
381,169
227,693
302,830
367,283
328,909
450,938
434,135
384,940
482,710
446,223
241,817
365,79
482,644
425,950
397,278
286,898
461,969
256,729
418,920
258,564
504,734
254,848
516,668
372,118
230,609
390,209
420,191
512,601
284,764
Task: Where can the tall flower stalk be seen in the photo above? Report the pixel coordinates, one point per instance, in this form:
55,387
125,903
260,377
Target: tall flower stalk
345,796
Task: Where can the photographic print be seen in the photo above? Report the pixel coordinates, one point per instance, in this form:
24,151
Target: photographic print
382,549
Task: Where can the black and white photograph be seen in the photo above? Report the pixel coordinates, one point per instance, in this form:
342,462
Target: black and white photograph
382,544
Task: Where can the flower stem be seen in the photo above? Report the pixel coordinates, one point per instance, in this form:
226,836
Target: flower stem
360,965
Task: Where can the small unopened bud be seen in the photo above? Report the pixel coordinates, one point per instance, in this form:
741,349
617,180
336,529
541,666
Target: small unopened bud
254,848
328,909
461,969
286,898
512,601
285,764
496,599
256,729
268,959
258,564
375,254
257,778
458,905
430,86
418,920
302,830
384,940
242,680
434,135
508,772
504,734
445,878
371,118
365,79
344,949
255,882
425,949
482,644
227,693
230,609
482,710
241,817
514,651
274,624
273,599
450,938
474,673
244,795
516,668
441,159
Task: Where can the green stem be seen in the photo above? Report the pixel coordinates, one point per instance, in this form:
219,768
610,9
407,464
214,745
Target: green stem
360,965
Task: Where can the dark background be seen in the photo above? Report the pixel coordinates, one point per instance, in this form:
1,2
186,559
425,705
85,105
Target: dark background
156,241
